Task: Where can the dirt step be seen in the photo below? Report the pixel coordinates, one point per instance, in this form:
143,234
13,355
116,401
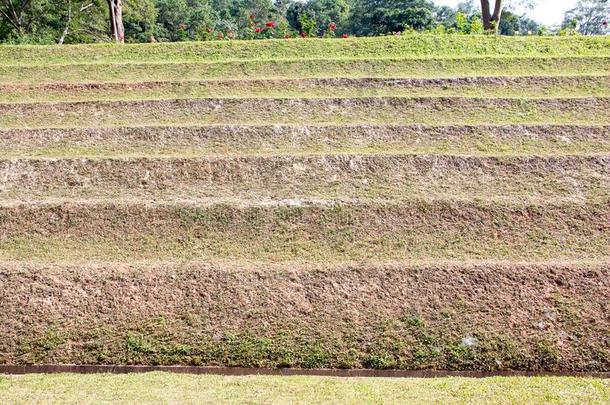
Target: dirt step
411,230
303,68
479,316
518,87
386,110
199,141
361,177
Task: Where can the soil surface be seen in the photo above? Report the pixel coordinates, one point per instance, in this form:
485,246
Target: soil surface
486,315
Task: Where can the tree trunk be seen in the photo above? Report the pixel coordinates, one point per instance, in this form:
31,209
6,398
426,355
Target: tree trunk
117,30
67,28
491,22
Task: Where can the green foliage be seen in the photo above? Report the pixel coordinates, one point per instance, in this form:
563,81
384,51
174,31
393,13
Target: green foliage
468,25
307,25
182,20
513,24
139,17
588,17
377,17
316,16
79,21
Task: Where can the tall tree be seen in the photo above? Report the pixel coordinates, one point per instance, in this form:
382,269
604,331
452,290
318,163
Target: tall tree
589,16
117,30
491,18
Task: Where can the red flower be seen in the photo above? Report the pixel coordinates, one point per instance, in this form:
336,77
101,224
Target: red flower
303,35
270,24
344,36
332,26
252,16
258,29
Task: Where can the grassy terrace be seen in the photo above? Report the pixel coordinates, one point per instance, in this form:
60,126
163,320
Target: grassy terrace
318,179
303,68
535,87
408,231
312,315
153,388
424,202
376,110
303,140
416,46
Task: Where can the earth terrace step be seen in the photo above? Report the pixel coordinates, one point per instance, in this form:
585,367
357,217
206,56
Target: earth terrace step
410,230
366,110
391,177
199,141
518,87
408,46
485,316
428,67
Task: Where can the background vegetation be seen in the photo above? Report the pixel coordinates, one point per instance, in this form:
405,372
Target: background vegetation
86,21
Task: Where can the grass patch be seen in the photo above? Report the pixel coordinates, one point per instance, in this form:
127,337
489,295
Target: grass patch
308,181
300,68
584,86
414,46
412,231
393,110
161,387
232,141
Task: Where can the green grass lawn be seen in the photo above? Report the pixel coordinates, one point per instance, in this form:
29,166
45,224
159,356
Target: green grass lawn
429,67
407,46
173,388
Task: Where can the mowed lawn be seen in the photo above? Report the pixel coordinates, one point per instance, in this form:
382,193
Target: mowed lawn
175,388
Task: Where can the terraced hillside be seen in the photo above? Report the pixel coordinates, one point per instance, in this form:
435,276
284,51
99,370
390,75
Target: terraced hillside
412,203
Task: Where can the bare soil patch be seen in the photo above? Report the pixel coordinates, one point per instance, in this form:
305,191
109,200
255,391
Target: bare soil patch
487,316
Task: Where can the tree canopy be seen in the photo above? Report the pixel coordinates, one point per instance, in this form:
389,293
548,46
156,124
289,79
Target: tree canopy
78,21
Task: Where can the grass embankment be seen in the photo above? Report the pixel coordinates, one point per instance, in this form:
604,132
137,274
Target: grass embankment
155,388
408,231
321,179
497,87
284,207
302,140
303,68
486,316
376,110
369,48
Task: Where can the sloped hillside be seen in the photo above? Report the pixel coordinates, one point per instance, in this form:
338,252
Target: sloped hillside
424,202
